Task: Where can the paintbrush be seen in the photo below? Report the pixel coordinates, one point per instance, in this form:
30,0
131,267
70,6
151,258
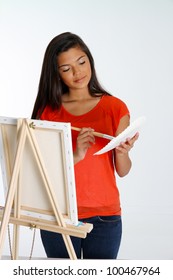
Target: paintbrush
98,134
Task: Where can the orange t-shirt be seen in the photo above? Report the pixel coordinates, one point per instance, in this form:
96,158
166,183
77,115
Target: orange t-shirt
96,189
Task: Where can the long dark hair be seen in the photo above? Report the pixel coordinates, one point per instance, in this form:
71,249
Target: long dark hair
51,87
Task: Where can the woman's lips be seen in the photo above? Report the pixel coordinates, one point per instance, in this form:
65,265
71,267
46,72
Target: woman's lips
79,80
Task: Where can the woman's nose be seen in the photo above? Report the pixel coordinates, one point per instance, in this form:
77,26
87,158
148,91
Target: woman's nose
76,71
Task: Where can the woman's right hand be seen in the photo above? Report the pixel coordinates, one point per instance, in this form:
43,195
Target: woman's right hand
84,141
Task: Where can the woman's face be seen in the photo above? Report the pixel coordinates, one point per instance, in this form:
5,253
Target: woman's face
74,68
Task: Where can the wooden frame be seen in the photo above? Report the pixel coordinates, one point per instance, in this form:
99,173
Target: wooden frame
54,141
26,157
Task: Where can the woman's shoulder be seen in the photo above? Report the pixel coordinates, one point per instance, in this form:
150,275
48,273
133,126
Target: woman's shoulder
47,113
114,106
112,100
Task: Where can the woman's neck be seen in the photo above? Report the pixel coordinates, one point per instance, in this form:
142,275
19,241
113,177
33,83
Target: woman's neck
77,95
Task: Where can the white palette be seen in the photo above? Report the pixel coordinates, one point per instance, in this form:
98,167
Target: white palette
129,132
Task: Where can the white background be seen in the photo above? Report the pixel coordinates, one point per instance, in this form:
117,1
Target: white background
132,43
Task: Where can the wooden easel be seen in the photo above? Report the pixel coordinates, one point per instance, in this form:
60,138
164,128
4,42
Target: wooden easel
13,200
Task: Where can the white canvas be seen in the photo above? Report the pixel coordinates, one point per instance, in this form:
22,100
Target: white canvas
55,145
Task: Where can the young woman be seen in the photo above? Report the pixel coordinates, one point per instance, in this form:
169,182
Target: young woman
69,91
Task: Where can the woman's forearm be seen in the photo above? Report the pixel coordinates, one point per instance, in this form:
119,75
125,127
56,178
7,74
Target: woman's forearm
122,164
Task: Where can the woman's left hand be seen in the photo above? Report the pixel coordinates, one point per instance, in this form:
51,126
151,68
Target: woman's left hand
126,146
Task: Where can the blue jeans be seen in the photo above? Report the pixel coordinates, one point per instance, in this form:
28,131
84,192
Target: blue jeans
102,242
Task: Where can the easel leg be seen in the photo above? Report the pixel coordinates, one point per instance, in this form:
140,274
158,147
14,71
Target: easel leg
12,188
15,249
69,247
16,228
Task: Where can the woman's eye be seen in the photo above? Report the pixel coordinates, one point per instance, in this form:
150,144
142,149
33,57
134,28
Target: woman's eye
81,62
65,70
